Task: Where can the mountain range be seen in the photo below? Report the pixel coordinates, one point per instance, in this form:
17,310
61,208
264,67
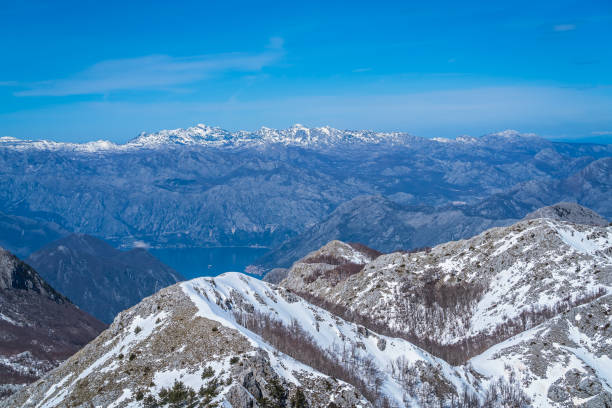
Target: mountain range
204,135
204,186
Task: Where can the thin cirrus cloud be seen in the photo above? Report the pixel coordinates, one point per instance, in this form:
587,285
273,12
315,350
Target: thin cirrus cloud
545,110
153,72
564,27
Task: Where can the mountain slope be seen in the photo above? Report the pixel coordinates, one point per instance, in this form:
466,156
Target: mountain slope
563,362
195,332
384,224
530,303
38,326
462,296
99,278
522,312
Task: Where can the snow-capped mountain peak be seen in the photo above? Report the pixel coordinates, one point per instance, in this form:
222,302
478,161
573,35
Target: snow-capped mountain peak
297,135
199,134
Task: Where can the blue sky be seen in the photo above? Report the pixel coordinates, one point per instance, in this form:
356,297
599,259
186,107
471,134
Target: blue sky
88,70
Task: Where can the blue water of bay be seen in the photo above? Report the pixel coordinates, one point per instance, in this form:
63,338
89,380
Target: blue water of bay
196,262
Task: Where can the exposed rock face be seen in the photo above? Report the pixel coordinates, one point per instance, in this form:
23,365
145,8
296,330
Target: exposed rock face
99,278
570,212
39,328
15,274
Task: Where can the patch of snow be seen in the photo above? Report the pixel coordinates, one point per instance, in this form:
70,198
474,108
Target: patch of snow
8,319
579,240
127,394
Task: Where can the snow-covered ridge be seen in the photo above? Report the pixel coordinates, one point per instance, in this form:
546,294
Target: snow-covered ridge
89,147
296,135
171,336
178,332
559,269
531,264
218,298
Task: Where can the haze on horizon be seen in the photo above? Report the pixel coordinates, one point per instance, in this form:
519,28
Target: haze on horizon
80,71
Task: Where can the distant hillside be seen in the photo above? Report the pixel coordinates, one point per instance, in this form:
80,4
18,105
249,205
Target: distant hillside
98,278
389,223
385,225
39,327
23,235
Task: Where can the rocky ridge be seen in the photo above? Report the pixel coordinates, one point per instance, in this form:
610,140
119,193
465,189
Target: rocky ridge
493,278
570,212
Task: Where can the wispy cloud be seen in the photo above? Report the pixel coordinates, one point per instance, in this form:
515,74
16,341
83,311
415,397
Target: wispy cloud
276,43
357,70
602,133
586,61
9,83
154,72
564,27
544,110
